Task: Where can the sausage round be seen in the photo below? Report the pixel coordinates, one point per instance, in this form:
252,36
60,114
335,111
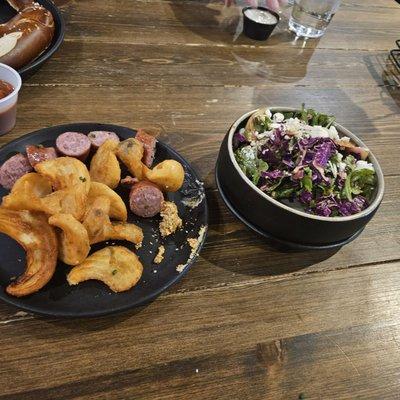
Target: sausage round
97,138
149,145
73,144
145,199
15,167
37,154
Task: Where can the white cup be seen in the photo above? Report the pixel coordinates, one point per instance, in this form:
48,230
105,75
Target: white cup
8,104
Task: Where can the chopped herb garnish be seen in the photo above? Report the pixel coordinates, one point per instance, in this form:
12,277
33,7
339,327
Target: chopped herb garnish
114,271
82,178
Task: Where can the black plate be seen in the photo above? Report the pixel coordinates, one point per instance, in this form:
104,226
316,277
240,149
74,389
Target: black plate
274,241
7,12
93,298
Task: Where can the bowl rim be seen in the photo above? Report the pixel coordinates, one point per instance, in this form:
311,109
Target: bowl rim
341,130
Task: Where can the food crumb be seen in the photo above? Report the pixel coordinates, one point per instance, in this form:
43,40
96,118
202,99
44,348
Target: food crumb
193,242
180,267
197,370
170,218
138,245
160,255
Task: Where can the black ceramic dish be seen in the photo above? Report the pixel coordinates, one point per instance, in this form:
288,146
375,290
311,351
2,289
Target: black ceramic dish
7,12
256,30
280,244
283,222
93,298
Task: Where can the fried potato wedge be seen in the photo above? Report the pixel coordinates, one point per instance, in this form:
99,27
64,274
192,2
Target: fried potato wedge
104,167
37,237
118,209
130,152
65,173
100,228
118,267
73,239
27,192
66,201
168,175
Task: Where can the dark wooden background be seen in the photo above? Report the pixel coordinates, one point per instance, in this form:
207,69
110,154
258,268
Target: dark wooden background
247,322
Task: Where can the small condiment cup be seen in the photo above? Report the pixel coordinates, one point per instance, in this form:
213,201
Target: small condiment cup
8,104
255,29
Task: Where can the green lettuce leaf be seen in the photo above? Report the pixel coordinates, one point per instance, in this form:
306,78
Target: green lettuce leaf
361,181
250,164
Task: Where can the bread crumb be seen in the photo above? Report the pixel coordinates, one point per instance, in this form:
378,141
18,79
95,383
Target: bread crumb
138,245
193,242
160,255
180,267
170,218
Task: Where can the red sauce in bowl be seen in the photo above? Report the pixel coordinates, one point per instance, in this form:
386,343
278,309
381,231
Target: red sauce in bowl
5,89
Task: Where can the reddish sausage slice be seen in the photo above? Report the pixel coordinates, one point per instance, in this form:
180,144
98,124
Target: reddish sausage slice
149,144
73,144
37,154
145,199
97,138
15,167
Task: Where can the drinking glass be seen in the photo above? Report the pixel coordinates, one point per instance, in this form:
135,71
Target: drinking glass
310,18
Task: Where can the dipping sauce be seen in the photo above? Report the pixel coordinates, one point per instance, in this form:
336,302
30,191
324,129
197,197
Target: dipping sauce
5,89
261,16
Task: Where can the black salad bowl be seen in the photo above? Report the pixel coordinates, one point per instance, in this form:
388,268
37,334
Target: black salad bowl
280,221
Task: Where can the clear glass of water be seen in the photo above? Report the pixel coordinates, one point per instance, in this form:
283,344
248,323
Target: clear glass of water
310,18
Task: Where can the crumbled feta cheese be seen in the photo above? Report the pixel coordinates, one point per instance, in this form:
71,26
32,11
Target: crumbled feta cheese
333,133
345,139
318,131
268,113
361,164
275,125
241,131
278,117
294,125
248,152
341,166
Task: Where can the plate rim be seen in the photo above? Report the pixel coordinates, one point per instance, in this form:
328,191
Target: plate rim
146,299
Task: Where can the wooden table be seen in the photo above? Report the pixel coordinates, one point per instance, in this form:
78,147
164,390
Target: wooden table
247,322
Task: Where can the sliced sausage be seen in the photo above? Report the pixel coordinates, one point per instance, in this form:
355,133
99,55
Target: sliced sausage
97,138
73,144
145,199
149,144
37,154
15,167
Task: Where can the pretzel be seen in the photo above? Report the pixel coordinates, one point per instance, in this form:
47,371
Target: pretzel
27,35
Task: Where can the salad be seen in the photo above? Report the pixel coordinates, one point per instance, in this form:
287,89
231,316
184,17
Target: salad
299,157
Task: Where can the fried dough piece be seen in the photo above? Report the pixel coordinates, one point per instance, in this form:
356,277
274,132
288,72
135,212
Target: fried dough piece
65,173
117,206
37,237
118,267
27,192
73,239
130,152
66,201
100,228
104,167
168,175
71,180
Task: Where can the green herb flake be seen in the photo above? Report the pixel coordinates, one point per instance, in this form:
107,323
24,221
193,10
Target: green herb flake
82,178
114,271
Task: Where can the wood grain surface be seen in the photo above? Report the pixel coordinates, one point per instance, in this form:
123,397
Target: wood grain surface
248,321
